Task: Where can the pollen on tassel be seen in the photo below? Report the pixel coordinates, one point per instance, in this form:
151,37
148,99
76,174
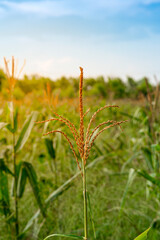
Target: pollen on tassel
81,111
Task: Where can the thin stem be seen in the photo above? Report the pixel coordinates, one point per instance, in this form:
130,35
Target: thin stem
12,81
85,202
16,198
15,178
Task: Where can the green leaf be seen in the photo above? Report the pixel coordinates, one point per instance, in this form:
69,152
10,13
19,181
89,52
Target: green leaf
9,126
50,149
131,177
148,157
34,184
64,235
144,174
21,182
3,167
26,130
16,120
156,147
143,236
4,194
18,169
52,154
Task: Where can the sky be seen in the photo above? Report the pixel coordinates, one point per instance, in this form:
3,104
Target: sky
116,38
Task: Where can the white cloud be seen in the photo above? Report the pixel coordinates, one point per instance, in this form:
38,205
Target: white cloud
70,7
49,8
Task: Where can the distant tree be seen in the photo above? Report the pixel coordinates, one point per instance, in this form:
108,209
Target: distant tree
25,85
99,88
117,87
131,83
89,83
62,83
75,83
34,83
69,92
132,91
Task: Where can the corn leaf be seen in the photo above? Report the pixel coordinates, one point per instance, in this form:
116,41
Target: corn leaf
50,149
9,126
148,157
26,130
16,120
21,182
52,153
143,236
18,169
154,180
3,167
4,194
34,184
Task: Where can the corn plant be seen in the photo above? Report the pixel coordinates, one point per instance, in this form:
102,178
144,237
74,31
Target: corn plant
84,143
153,113
22,170
148,150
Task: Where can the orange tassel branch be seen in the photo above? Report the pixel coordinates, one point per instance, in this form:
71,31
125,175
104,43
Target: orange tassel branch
11,77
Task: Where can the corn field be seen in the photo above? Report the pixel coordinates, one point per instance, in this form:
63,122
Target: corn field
78,167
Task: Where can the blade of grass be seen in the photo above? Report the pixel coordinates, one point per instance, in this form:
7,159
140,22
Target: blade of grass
64,235
131,177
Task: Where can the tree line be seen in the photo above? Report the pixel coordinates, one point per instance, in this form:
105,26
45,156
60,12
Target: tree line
114,88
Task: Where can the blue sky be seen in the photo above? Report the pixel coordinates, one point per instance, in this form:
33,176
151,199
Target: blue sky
106,37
